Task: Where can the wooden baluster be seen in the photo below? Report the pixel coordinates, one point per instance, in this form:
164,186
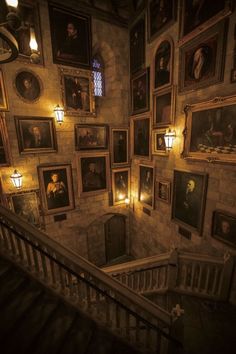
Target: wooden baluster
44,266
4,237
62,279
207,279
165,279
215,281
28,257
12,243
19,247
52,272
70,285
88,297
199,278
108,312
185,273
36,261
192,275
158,278
138,282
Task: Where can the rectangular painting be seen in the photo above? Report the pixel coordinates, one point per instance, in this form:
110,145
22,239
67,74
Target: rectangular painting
158,142
164,107
146,186
93,172
120,185
224,227
137,46
35,134
119,146
3,94
163,190
189,198
91,136
5,155
210,130
56,188
140,92
77,92
71,37
198,16
202,59
163,64
140,137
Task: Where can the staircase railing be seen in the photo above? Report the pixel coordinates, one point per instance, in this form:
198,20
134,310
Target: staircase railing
126,313
194,274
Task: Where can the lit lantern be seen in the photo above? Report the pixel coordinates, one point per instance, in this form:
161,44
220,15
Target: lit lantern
169,139
35,57
16,179
59,114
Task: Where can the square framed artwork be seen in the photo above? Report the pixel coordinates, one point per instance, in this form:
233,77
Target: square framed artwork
71,37
56,188
158,142
120,185
93,172
5,150
210,132
202,59
163,190
77,92
164,107
3,94
91,136
140,130
35,134
189,198
119,146
137,46
140,92
146,186
224,227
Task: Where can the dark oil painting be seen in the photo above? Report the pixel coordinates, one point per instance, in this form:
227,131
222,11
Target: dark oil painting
162,64
120,146
142,137
224,227
28,86
137,46
140,92
121,186
93,173
161,15
146,187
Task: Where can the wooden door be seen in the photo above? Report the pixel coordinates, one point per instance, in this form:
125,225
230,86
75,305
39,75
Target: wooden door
115,237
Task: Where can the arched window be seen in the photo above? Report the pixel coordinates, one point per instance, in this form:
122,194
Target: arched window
98,76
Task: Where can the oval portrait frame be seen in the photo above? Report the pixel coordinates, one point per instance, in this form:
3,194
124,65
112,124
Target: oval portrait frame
39,82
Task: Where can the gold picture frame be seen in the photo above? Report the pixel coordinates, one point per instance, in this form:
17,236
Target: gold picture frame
119,143
3,94
140,136
120,185
164,107
158,142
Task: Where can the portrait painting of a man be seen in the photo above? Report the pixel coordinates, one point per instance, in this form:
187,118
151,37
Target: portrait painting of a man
140,92
90,136
137,46
158,140
77,93
25,205
141,140
28,86
120,146
224,227
162,64
120,185
93,173
146,185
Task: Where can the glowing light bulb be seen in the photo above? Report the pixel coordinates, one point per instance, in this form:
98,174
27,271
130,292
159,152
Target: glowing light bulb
33,43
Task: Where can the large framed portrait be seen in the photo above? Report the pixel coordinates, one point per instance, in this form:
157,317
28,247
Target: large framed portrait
71,37
163,64
120,185
146,186
35,134
91,136
93,173
26,205
77,91
119,146
163,190
224,227
140,92
210,130
5,155
158,142
56,188
137,46
28,86
30,26
189,197
202,59
197,16
161,15
164,107
140,136
3,94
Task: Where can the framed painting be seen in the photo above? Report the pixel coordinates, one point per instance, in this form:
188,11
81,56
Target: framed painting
26,205
158,142
163,64
35,134
120,185
137,46
94,173
161,15
163,190
197,16
140,92
189,198
224,227
56,188
210,130
30,26
28,86
71,37
77,92
202,59
91,136
119,146
140,136
3,94
164,107
146,186
5,155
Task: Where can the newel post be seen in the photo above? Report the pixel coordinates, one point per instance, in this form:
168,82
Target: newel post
226,276
172,269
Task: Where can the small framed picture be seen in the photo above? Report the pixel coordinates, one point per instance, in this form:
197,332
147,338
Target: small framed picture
146,185
140,92
120,185
140,136
3,94
93,172
224,227
28,86
137,46
158,142
35,134
163,190
91,136
5,154
119,146
164,107
56,188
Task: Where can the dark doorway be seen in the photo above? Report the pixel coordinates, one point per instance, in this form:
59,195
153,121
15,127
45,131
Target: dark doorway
115,237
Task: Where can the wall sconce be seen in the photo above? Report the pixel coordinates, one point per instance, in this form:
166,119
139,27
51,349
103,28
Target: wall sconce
16,179
35,56
169,139
59,114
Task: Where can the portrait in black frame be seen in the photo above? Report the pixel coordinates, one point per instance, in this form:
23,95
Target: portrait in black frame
224,227
71,37
137,46
93,173
141,136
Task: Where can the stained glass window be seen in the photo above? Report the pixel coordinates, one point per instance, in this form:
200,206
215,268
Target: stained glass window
98,76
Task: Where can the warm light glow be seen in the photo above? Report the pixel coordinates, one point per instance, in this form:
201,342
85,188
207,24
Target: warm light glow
127,201
59,114
12,3
141,197
121,196
33,43
16,179
169,139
